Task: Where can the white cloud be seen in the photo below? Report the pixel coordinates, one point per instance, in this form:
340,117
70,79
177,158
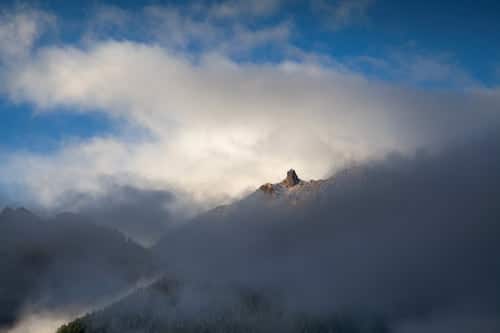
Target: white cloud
209,120
219,127
19,29
181,28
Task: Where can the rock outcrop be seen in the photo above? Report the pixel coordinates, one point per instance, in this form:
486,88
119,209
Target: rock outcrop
291,178
267,188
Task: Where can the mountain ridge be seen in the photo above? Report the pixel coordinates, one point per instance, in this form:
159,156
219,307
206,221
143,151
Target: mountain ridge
63,261
291,191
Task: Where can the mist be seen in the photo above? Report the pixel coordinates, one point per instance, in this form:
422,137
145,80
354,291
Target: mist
63,266
143,214
45,322
415,240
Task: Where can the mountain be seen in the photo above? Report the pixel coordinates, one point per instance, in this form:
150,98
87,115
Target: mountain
195,302
400,245
167,306
65,261
288,200
291,191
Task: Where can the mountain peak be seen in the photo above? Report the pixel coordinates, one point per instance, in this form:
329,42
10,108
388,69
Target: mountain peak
290,181
291,178
17,213
11,211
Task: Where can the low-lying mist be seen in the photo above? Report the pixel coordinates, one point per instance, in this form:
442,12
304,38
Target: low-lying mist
62,266
416,240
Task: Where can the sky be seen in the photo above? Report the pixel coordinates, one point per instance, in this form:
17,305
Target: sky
210,99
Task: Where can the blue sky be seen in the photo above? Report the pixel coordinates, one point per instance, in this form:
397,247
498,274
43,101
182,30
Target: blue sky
463,34
371,54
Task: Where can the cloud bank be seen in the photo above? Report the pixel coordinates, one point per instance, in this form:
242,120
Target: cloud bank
412,240
209,124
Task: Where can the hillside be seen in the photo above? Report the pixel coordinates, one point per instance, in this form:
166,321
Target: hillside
167,306
370,242
62,262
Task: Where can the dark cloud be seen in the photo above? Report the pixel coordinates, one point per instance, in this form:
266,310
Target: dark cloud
414,240
141,214
410,239
63,264
71,262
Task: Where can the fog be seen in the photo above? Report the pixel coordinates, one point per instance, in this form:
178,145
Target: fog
142,214
47,322
413,239
62,266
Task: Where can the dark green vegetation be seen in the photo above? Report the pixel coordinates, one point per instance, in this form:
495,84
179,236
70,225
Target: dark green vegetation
165,307
76,326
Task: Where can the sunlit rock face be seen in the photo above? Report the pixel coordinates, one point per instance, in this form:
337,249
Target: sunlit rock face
267,188
291,179
292,189
288,183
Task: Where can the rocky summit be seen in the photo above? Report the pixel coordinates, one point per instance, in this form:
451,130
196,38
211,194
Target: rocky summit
291,178
292,188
